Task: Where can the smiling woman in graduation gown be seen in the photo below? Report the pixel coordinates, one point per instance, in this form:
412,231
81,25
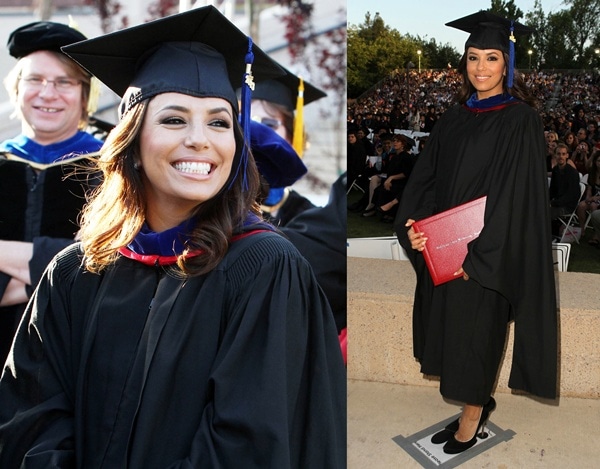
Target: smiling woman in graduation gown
166,347
490,147
235,367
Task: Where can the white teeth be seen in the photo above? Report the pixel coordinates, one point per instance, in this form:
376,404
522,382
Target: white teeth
193,167
46,109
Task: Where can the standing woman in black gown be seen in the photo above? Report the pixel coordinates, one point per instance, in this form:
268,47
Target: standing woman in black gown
490,144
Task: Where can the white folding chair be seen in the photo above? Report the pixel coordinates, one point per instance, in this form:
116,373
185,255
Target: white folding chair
588,219
354,185
561,254
570,222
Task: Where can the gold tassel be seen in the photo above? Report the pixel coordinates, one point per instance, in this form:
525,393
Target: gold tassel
298,140
92,104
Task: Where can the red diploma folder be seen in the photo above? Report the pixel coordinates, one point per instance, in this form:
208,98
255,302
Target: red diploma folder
448,234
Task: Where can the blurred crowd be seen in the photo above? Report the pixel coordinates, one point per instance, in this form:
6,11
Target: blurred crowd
401,102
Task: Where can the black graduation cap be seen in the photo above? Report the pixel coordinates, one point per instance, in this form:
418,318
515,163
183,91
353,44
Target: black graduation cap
284,91
198,52
490,31
41,35
293,93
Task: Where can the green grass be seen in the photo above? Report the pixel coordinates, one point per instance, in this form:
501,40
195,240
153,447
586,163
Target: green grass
584,258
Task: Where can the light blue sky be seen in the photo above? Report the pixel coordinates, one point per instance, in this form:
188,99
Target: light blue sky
426,18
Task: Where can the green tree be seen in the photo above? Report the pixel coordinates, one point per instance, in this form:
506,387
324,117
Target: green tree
559,54
440,55
434,55
374,51
373,28
538,43
358,57
584,15
506,9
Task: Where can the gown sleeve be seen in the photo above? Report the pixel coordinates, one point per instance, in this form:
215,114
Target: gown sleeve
513,256
36,405
320,236
44,249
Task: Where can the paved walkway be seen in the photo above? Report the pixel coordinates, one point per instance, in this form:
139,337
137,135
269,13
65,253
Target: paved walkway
537,434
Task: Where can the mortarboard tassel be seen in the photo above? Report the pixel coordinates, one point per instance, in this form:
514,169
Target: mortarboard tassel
511,55
298,139
247,87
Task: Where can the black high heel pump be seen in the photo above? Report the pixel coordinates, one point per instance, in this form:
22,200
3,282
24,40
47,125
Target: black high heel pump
450,429
446,433
453,446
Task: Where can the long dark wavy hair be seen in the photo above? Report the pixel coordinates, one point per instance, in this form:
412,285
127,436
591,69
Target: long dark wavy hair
117,209
519,89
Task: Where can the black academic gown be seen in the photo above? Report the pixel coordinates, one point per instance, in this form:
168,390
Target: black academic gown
138,368
319,234
498,153
293,205
40,204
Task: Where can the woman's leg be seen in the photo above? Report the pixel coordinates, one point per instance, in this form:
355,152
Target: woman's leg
389,205
373,184
469,421
582,214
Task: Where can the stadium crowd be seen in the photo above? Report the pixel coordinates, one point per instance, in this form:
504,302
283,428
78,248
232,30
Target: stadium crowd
395,103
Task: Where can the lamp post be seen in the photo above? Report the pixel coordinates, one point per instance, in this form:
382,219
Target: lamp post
409,65
530,52
419,54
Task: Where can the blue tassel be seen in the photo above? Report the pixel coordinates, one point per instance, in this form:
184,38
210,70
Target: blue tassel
274,197
244,117
511,55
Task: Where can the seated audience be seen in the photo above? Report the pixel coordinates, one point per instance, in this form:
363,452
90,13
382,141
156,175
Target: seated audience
374,172
399,166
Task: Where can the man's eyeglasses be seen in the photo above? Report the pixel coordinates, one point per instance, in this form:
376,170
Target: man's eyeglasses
268,121
62,85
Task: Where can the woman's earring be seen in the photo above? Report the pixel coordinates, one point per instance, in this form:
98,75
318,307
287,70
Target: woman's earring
137,165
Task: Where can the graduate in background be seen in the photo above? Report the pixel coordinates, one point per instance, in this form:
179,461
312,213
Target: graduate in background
183,331
279,104
490,144
41,199
319,233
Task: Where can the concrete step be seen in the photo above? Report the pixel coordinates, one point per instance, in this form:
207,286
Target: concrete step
380,299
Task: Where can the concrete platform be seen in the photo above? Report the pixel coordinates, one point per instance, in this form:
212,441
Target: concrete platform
391,404
545,436
380,299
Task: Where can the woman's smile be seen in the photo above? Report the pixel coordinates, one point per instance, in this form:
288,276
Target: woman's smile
193,167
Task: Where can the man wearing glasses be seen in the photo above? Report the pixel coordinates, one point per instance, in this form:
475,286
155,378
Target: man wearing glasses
40,199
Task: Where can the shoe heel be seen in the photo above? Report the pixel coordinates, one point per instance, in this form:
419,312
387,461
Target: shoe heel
482,433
